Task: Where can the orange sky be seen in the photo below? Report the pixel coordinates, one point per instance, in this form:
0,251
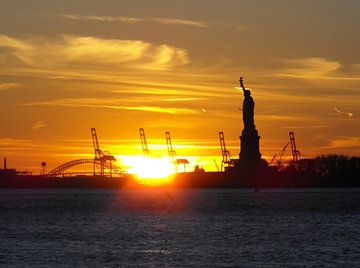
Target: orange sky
174,65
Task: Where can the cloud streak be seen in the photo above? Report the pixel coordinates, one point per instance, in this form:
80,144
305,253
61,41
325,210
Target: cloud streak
68,51
133,20
109,104
13,43
6,86
317,68
345,143
310,68
38,125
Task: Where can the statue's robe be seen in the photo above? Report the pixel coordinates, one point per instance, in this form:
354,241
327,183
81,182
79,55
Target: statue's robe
248,112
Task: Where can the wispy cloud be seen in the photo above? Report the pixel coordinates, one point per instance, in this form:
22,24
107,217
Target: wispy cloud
183,99
310,68
318,69
38,125
345,143
308,98
285,118
179,22
102,18
307,127
9,42
132,20
5,86
91,52
11,142
157,109
109,104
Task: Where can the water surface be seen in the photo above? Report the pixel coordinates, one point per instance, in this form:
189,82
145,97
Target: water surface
276,227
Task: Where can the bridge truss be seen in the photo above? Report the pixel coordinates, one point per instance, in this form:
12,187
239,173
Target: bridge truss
61,170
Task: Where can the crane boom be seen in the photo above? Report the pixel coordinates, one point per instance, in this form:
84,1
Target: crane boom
101,156
226,156
143,142
98,152
279,155
171,152
295,152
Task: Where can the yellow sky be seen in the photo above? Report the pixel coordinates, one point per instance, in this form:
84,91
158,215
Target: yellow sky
174,66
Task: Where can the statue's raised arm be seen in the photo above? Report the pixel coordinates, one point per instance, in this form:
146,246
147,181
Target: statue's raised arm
242,84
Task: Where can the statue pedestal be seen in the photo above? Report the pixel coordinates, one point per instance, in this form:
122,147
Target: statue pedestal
250,157
250,151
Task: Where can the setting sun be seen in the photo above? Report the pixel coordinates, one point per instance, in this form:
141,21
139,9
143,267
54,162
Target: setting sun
149,170
179,133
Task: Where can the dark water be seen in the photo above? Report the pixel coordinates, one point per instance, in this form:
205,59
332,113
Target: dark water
154,228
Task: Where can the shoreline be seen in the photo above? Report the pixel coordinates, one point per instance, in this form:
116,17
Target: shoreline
190,180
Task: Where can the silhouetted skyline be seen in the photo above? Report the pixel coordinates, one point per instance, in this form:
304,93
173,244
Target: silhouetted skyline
173,66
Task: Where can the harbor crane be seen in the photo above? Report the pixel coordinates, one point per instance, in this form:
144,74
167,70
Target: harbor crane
294,151
144,142
277,157
104,157
102,161
296,154
226,156
170,150
172,154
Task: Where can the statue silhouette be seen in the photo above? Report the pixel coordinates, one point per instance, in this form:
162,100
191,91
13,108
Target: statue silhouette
250,151
248,107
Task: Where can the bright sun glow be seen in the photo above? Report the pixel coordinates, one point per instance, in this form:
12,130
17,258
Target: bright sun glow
150,170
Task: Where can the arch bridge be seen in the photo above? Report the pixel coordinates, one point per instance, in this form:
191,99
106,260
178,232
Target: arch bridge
97,165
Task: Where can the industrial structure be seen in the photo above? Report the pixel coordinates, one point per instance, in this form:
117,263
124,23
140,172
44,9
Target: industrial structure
101,162
12,172
172,154
249,170
144,142
249,157
227,160
295,153
105,158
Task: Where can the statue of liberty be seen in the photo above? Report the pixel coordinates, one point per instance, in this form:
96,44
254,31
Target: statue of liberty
248,107
250,151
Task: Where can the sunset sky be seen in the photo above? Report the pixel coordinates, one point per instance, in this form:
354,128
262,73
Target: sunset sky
166,65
